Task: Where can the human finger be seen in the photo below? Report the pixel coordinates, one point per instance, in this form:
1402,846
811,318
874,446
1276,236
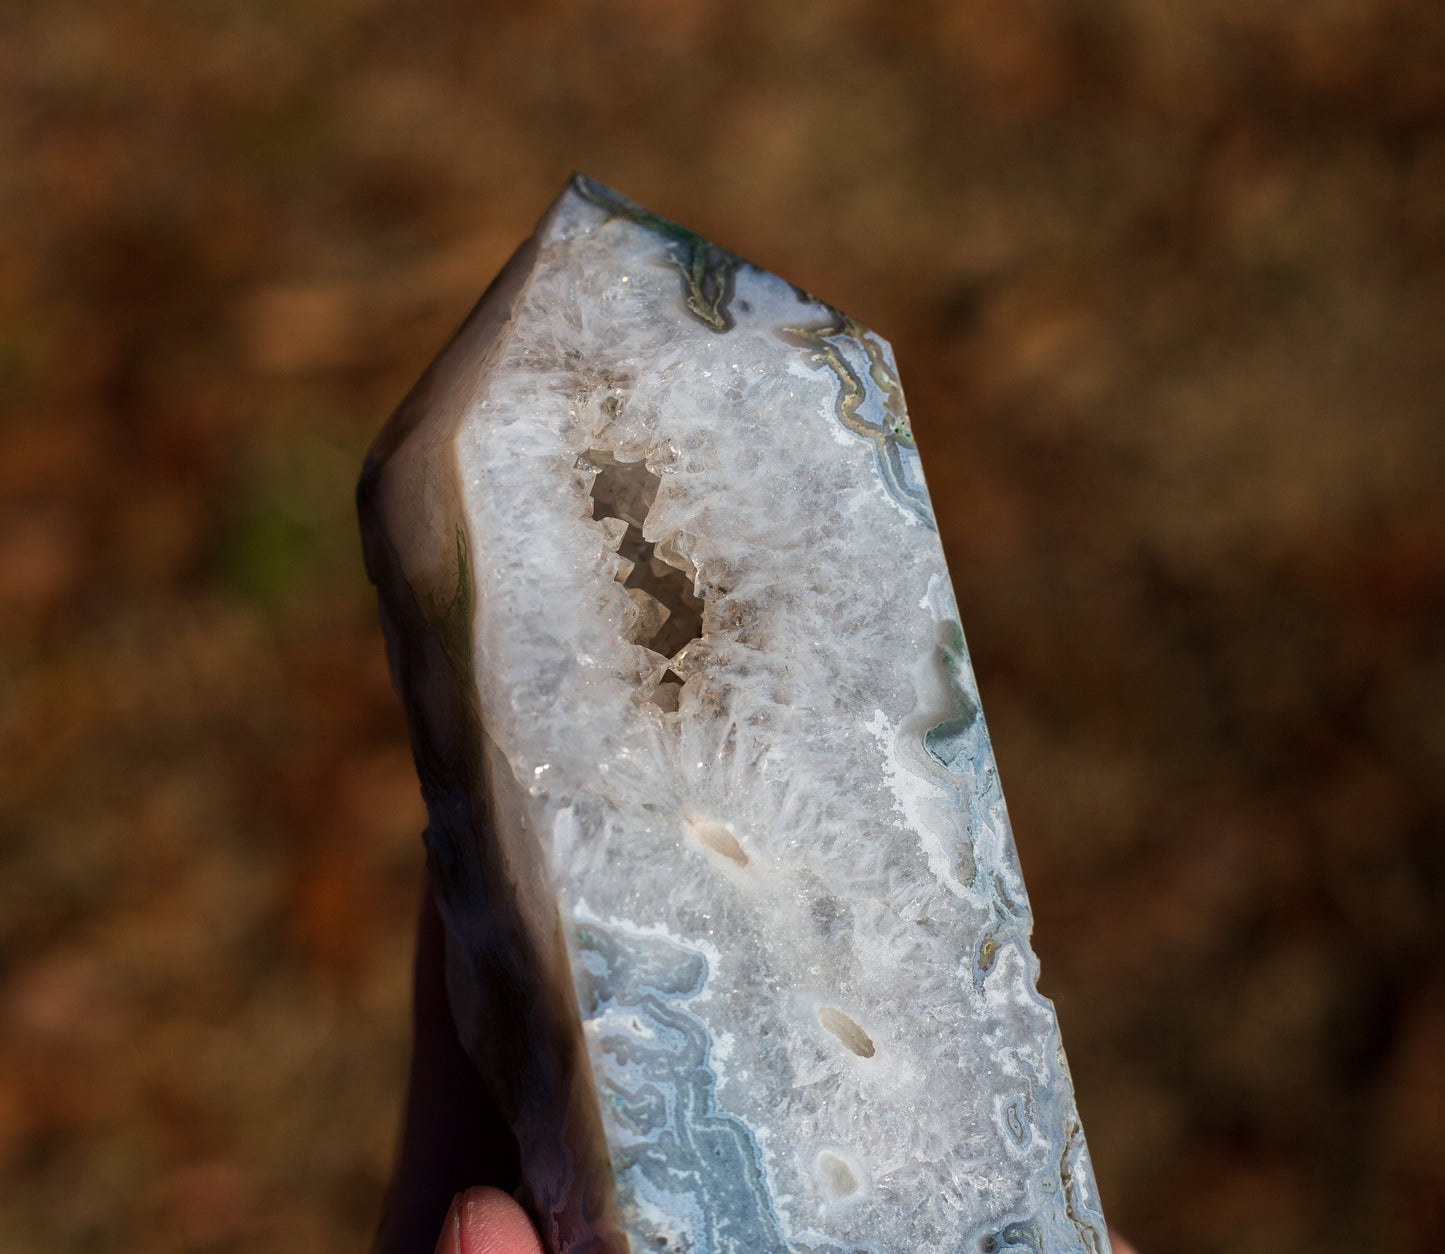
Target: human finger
485,1220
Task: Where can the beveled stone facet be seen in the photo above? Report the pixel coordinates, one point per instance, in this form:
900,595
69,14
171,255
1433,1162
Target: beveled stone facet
737,933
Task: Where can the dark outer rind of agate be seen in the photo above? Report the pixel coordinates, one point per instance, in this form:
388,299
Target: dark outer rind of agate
524,1033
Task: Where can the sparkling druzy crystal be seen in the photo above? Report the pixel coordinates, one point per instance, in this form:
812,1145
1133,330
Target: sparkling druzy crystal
737,934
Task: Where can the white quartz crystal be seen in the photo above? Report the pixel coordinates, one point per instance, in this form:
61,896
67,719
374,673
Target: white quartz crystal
660,519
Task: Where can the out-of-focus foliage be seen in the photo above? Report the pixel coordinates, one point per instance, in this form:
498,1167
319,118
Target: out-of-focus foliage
1167,286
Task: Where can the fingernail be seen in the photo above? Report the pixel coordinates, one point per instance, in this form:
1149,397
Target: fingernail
450,1241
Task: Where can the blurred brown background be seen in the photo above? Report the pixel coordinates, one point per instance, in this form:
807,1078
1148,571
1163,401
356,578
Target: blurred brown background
1167,287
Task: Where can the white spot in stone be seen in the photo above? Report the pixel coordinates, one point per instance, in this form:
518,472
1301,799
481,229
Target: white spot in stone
841,1183
717,838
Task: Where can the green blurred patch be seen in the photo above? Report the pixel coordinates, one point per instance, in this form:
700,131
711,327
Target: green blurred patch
290,530
268,553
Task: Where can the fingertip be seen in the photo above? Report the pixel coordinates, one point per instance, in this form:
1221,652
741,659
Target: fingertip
488,1221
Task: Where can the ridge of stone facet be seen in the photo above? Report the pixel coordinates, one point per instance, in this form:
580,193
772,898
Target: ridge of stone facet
736,930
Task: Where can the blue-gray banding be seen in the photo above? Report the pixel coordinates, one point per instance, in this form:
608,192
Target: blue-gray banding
870,404
952,743
673,1150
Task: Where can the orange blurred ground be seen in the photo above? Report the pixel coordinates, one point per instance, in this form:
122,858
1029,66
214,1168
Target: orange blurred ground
1167,288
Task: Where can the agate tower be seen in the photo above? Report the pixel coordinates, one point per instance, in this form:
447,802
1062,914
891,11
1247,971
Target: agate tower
736,930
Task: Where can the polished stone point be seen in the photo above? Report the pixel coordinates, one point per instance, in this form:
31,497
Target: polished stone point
736,930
